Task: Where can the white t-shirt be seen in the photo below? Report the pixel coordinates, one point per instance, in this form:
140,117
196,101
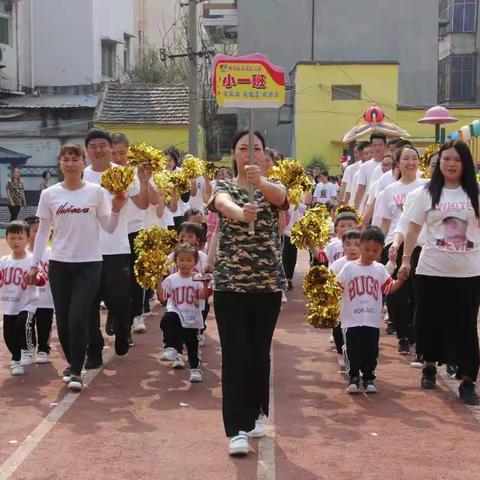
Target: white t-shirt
348,174
45,299
334,250
452,247
151,217
183,298
136,217
377,173
362,294
337,265
392,201
74,215
117,242
365,175
404,220
16,295
197,200
324,192
353,188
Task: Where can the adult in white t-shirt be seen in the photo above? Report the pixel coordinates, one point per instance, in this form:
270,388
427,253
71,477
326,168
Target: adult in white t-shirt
115,247
379,146
324,191
78,211
390,208
448,271
365,153
350,170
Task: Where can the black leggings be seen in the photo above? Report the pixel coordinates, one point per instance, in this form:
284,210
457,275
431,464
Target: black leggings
136,291
43,323
17,333
447,310
14,211
175,335
74,286
362,351
246,322
289,257
114,290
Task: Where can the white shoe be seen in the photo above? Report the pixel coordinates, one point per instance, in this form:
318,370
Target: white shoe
139,325
169,355
16,369
75,384
27,357
201,339
284,298
178,363
331,339
239,445
196,375
42,357
259,430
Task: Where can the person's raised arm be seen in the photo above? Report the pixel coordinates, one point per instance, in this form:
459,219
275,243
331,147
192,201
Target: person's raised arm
224,204
275,194
110,222
142,199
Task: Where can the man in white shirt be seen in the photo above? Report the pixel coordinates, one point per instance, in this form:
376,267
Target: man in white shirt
349,173
325,191
365,153
365,174
115,281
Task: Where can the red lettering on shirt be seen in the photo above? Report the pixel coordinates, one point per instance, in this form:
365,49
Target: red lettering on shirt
185,294
360,286
15,276
65,209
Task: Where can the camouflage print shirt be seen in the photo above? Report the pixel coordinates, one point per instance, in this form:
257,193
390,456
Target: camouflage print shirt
245,262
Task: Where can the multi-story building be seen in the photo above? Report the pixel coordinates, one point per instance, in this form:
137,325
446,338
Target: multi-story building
459,41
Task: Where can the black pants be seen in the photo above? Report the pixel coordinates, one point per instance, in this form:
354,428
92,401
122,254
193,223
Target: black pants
401,304
337,333
114,290
362,351
136,291
447,310
74,286
14,211
289,257
17,333
43,322
246,322
175,335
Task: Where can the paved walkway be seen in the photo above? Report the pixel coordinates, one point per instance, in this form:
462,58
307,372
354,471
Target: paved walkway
138,419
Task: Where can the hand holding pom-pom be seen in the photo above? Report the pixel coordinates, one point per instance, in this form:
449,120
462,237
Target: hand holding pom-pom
117,179
312,229
193,167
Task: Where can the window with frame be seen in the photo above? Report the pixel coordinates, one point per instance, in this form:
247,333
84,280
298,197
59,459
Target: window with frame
109,58
464,16
346,92
457,79
4,29
126,52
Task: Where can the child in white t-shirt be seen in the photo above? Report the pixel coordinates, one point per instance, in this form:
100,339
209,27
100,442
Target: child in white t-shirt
364,281
18,297
351,250
183,317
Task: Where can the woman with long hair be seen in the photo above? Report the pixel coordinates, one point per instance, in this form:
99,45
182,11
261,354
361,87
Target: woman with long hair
448,271
15,194
248,284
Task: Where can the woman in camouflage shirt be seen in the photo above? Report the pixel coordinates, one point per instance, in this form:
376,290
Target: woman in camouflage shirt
248,284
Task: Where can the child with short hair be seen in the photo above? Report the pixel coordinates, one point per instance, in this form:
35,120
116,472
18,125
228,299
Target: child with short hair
364,280
43,319
18,297
183,317
351,250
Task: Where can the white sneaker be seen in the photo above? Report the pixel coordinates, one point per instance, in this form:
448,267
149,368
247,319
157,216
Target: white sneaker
75,384
42,357
196,375
284,298
139,325
169,355
201,339
259,430
239,444
27,357
16,369
178,363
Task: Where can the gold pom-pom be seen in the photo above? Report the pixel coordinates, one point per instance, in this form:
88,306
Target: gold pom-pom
153,245
350,209
292,175
312,229
210,170
168,183
430,150
140,153
324,295
117,179
193,167
181,183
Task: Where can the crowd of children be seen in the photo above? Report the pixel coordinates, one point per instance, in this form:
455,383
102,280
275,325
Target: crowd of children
418,241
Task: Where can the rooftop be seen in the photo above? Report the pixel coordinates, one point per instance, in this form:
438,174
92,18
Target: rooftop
50,101
142,104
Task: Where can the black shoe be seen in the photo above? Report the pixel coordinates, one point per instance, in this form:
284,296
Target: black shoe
121,344
93,362
67,373
403,347
110,325
390,330
130,340
429,381
467,393
290,285
451,369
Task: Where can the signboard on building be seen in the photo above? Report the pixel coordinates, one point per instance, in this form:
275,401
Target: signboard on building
248,81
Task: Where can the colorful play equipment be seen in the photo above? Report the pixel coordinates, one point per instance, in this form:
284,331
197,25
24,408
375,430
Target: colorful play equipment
469,134
437,116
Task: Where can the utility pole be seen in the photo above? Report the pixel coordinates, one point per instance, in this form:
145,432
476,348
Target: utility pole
194,101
